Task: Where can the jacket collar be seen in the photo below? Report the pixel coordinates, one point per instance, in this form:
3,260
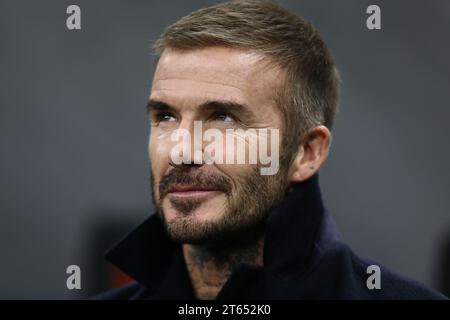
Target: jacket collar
296,230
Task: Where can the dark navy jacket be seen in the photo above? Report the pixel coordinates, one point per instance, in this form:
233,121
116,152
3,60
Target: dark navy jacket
303,259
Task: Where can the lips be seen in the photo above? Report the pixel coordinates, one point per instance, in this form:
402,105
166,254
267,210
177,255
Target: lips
191,192
178,188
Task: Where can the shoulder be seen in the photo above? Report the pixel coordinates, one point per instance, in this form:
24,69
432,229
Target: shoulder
360,278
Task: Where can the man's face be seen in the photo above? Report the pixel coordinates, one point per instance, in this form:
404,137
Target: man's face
222,89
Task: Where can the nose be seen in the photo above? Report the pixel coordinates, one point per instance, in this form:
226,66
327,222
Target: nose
189,147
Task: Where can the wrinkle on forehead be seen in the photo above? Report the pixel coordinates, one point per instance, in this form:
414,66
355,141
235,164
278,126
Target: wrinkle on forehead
237,61
217,72
181,83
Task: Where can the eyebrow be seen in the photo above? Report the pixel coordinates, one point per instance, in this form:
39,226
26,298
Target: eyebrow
156,105
212,105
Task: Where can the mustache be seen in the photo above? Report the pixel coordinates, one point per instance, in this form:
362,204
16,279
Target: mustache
193,177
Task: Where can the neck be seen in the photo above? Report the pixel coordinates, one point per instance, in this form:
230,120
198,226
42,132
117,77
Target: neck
209,268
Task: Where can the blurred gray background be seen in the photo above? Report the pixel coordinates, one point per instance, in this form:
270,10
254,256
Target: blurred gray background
73,133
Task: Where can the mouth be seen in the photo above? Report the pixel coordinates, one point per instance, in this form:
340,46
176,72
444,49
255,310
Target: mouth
192,192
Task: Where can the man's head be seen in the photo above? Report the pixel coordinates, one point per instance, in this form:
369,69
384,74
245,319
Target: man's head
244,65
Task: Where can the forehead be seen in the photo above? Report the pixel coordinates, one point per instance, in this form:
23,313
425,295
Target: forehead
215,73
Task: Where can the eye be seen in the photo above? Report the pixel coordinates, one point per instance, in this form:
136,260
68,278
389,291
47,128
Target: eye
224,117
164,117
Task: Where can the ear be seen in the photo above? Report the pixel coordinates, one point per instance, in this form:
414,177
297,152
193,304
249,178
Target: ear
312,153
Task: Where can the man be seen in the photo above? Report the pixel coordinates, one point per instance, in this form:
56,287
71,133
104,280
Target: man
243,71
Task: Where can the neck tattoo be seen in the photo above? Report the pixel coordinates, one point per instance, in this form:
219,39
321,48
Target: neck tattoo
209,268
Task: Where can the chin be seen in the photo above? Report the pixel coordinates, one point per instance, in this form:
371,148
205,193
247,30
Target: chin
206,210
199,215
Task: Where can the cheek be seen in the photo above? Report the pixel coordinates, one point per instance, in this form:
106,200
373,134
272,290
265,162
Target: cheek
241,147
235,172
236,155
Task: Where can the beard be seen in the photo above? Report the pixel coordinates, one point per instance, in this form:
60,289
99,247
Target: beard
243,217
